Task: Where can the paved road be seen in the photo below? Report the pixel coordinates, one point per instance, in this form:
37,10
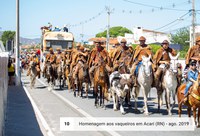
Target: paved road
58,103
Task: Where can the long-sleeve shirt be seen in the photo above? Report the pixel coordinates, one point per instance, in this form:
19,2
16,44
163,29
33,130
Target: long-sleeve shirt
192,75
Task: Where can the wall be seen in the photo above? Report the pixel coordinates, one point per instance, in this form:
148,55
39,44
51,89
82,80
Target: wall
3,88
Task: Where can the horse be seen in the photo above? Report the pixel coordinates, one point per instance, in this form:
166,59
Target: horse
50,75
101,81
144,79
193,100
169,83
33,73
83,77
60,74
66,76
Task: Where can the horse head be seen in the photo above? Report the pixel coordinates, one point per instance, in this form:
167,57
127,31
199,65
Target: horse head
146,65
174,62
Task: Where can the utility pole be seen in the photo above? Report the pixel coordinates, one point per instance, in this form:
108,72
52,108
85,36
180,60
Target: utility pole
82,41
193,24
108,26
17,68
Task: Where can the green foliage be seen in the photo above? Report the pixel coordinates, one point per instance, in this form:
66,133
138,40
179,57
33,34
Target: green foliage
7,35
154,47
115,31
181,37
89,46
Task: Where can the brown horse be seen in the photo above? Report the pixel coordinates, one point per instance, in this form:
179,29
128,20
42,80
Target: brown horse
83,77
193,100
67,78
101,80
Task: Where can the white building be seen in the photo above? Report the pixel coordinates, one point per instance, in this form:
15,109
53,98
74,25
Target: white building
150,35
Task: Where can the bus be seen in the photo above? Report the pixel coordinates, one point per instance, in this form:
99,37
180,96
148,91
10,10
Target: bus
54,39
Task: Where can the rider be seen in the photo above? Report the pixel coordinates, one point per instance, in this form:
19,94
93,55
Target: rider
193,52
80,61
37,64
121,55
73,55
98,54
161,60
140,50
50,57
192,77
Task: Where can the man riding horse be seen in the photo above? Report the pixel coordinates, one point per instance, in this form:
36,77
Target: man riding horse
80,61
73,56
122,54
50,58
98,54
161,60
36,62
140,50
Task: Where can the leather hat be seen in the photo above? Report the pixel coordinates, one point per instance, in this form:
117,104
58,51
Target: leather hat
165,42
123,41
51,49
142,38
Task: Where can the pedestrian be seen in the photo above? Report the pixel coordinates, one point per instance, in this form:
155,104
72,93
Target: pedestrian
11,71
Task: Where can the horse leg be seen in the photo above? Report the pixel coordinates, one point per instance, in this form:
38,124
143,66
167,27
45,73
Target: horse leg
86,89
159,93
135,90
198,118
167,98
114,100
195,115
101,92
174,99
189,111
121,107
145,94
81,88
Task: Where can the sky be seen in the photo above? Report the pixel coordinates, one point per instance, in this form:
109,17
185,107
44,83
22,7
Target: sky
89,17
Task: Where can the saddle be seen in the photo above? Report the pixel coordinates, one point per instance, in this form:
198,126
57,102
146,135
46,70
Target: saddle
183,90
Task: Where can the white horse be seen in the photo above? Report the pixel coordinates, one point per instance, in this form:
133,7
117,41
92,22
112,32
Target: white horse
169,83
145,79
33,73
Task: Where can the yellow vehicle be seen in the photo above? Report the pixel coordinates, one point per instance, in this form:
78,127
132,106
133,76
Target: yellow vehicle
54,39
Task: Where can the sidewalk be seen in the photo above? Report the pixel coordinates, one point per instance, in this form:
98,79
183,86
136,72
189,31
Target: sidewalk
21,119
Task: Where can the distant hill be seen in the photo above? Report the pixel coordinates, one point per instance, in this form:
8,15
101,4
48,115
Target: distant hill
27,41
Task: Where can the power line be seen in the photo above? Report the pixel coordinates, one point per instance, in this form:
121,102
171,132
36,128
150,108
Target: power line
172,21
152,6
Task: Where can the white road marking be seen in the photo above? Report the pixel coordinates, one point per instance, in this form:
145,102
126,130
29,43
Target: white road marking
41,117
111,132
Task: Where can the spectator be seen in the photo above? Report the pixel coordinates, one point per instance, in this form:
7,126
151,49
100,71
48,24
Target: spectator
65,29
11,71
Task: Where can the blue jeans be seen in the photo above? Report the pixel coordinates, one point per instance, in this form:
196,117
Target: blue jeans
189,84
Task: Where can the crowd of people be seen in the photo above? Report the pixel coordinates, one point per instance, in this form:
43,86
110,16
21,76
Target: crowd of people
114,60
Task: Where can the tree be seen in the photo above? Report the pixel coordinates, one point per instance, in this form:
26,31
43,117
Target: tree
115,31
181,37
7,35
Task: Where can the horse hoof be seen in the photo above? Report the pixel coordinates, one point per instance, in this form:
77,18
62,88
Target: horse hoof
123,113
137,111
115,110
146,114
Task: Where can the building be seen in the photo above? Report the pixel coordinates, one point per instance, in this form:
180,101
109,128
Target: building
151,35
